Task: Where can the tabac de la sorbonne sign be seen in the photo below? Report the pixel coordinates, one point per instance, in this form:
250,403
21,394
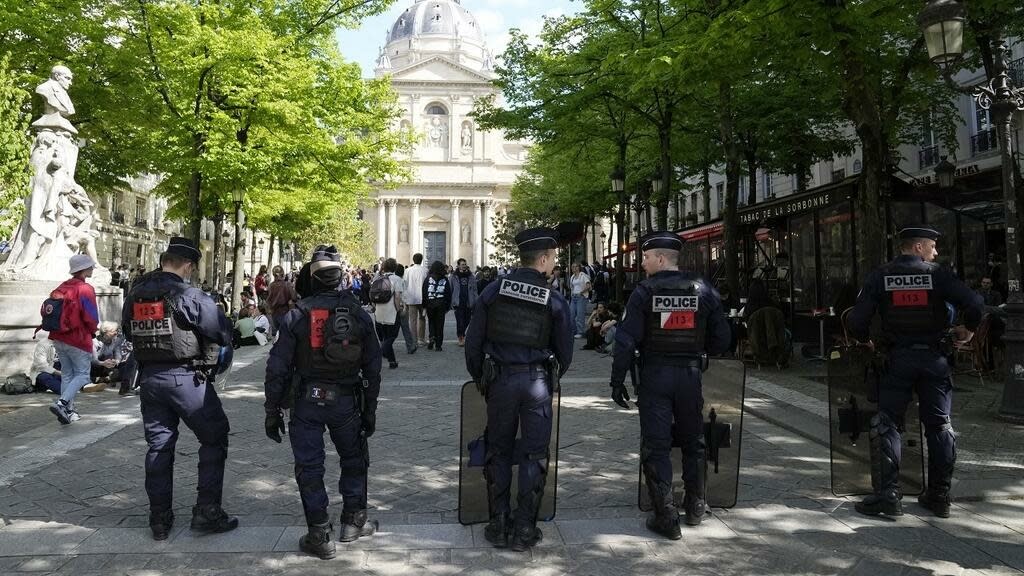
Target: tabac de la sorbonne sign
786,207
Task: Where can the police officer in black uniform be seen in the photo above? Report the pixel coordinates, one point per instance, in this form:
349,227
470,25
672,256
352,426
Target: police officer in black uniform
180,340
911,293
521,336
328,343
675,320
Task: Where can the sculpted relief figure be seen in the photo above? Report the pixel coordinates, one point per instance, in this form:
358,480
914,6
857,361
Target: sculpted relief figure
59,216
436,132
467,136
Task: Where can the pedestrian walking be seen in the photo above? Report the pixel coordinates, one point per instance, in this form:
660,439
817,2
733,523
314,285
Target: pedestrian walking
672,358
464,294
328,342
403,317
910,293
518,327
71,316
281,297
437,300
386,296
579,285
414,277
180,340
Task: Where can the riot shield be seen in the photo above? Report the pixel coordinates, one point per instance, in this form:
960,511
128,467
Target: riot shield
723,385
853,376
473,507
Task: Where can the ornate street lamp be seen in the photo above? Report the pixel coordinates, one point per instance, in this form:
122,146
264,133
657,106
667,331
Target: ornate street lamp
238,195
944,172
942,22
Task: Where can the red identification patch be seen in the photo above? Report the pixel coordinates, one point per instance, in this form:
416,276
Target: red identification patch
317,319
682,320
148,310
910,298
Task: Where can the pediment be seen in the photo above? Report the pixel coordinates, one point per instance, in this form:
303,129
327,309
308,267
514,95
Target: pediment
438,69
434,219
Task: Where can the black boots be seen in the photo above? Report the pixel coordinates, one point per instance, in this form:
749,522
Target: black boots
887,503
497,530
160,523
354,526
936,502
525,533
318,541
211,519
694,507
665,520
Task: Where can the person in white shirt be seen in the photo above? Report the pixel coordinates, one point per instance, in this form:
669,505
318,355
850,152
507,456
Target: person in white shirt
262,324
42,373
580,290
413,298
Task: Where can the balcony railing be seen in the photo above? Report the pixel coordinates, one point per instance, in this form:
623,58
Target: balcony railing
1016,71
142,224
984,141
927,156
118,217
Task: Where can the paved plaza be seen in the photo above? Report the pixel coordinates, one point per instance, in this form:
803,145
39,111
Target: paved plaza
72,498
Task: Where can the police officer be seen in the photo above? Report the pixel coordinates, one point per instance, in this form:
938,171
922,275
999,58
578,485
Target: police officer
518,325
180,339
911,293
674,319
328,342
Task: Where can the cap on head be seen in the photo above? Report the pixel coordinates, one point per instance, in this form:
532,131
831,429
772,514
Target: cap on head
183,248
661,240
537,239
919,232
80,262
324,258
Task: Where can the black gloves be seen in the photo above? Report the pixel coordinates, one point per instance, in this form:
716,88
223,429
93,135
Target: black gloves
369,423
620,396
274,425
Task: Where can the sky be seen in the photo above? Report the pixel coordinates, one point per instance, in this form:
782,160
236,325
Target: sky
495,18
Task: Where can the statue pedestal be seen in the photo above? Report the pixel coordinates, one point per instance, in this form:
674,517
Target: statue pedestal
19,317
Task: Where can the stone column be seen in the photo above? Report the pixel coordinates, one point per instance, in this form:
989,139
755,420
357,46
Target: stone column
382,239
454,232
478,243
392,228
415,239
489,212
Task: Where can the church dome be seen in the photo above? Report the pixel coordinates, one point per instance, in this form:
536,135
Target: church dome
435,17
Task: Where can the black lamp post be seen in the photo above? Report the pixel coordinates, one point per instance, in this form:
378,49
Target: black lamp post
942,22
618,178
238,195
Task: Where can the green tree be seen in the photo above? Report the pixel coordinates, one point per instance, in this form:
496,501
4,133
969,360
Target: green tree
14,150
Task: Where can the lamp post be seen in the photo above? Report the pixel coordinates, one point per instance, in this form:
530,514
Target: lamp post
237,267
261,244
618,178
942,22
657,185
223,265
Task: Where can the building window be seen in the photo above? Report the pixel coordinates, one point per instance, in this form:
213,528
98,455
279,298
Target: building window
140,212
768,185
720,192
116,214
436,109
838,175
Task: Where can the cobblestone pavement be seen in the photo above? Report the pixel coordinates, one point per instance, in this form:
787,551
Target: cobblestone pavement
72,501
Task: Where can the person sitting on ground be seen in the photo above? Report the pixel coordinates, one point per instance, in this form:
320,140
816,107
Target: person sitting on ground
245,329
110,358
597,319
608,328
262,323
45,370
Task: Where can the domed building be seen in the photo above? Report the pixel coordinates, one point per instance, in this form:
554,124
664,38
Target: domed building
439,64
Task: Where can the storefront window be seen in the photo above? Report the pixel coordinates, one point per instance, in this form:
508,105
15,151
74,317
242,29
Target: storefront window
837,279
975,255
802,262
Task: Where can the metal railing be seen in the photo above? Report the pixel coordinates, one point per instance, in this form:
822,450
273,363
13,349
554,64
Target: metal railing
927,156
1016,71
984,141
118,217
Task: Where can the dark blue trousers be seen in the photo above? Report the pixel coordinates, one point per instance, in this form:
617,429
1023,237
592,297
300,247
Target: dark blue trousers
167,398
518,401
306,434
927,372
671,404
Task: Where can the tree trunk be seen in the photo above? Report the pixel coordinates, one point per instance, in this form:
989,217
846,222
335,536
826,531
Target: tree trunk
752,176
733,161
218,256
665,141
252,258
270,251
195,207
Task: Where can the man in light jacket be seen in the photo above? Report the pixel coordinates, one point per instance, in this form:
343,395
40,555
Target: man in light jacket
464,292
414,276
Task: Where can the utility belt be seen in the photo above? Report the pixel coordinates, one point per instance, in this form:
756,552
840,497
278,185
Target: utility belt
944,346
204,372
328,393
689,361
549,369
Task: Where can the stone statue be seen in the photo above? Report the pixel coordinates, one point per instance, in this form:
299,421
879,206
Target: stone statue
403,233
59,217
436,132
467,137
466,235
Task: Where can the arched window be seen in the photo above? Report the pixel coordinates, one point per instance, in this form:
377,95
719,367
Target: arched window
437,109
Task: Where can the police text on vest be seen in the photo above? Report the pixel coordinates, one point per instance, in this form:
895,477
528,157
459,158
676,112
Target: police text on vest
524,291
675,303
908,282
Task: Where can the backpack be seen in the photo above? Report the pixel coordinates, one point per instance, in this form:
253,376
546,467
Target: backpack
18,384
337,334
381,291
59,313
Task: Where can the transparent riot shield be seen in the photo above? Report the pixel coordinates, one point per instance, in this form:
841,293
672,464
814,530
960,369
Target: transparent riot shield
854,373
723,385
473,506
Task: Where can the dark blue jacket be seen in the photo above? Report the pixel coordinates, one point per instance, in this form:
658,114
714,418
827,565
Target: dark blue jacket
295,325
199,312
630,333
947,286
477,345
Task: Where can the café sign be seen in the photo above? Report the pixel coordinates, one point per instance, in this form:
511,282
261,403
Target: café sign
761,213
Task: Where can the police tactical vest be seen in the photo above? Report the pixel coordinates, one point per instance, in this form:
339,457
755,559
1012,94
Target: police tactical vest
331,348
911,305
520,314
675,324
159,334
